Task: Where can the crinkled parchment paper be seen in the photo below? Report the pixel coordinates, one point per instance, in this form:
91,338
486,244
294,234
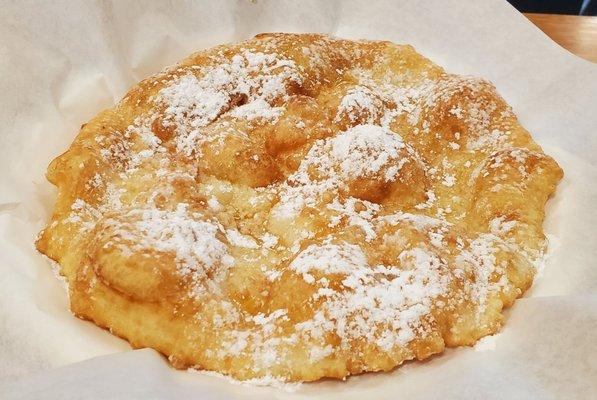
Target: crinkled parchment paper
63,61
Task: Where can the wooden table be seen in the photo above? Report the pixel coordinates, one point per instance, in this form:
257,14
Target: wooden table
577,34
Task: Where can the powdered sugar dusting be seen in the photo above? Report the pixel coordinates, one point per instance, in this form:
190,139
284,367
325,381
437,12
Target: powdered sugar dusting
390,298
363,150
360,152
356,235
193,241
193,102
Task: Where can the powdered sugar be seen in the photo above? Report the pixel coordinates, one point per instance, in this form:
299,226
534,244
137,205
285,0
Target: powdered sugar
389,298
193,102
363,150
449,180
361,218
372,266
345,259
481,256
177,231
239,240
500,226
359,152
359,102
192,239
258,108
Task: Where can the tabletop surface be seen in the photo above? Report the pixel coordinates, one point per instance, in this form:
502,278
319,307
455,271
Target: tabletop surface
577,34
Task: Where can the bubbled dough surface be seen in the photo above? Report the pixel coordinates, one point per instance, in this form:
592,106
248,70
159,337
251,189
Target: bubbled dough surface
299,207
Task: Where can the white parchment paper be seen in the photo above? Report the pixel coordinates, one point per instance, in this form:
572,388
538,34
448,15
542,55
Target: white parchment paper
63,61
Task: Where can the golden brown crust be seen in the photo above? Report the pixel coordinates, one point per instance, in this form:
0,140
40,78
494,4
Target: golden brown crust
299,207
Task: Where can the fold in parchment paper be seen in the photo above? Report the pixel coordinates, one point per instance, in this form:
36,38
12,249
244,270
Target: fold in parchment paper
62,61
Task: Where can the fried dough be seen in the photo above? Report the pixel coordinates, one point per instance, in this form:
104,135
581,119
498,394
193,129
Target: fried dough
298,206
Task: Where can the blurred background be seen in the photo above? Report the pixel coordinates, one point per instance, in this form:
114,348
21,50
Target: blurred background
570,23
570,7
